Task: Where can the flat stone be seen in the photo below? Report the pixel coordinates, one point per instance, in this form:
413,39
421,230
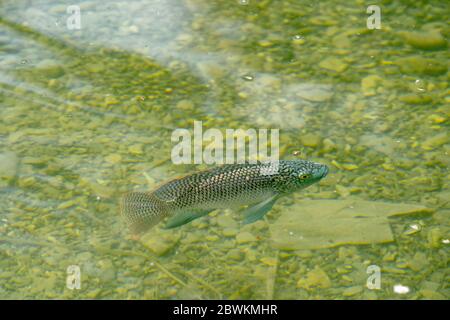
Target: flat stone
314,224
316,278
333,64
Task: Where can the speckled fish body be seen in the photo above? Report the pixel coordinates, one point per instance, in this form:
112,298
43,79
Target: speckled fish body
256,185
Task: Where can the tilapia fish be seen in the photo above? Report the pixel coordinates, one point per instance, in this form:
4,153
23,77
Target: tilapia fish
257,186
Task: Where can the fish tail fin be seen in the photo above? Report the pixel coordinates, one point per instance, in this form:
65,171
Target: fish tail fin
142,210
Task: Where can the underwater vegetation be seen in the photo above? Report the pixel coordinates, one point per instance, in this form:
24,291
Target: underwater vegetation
87,116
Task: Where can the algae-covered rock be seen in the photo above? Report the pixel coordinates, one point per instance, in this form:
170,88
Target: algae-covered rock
226,221
160,243
313,224
113,158
314,92
436,141
430,294
136,149
434,237
352,291
369,84
416,98
334,64
8,166
420,65
245,237
418,262
429,40
229,232
310,140
316,278
49,68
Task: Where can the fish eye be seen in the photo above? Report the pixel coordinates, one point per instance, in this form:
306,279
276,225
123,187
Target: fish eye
303,176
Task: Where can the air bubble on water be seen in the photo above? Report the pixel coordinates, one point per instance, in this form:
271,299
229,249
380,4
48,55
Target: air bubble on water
248,77
298,37
244,2
420,85
98,198
412,229
401,289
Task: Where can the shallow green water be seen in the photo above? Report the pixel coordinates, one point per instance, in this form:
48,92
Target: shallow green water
87,115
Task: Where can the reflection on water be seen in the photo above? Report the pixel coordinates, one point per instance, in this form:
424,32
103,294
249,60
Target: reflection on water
88,114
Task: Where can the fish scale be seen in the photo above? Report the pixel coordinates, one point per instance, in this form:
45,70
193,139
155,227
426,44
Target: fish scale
229,186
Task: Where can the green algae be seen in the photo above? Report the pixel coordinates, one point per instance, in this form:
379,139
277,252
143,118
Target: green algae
86,122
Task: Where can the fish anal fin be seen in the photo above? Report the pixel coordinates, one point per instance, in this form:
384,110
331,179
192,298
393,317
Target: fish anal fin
185,217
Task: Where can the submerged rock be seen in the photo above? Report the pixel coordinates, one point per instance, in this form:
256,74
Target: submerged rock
160,243
419,65
245,237
316,278
333,64
314,224
8,166
369,84
418,262
436,141
49,68
314,92
352,291
416,99
310,140
425,40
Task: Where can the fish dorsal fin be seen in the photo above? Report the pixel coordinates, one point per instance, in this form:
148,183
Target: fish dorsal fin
185,217
257,211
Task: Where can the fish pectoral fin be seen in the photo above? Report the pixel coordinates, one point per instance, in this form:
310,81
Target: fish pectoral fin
185,217
257,211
